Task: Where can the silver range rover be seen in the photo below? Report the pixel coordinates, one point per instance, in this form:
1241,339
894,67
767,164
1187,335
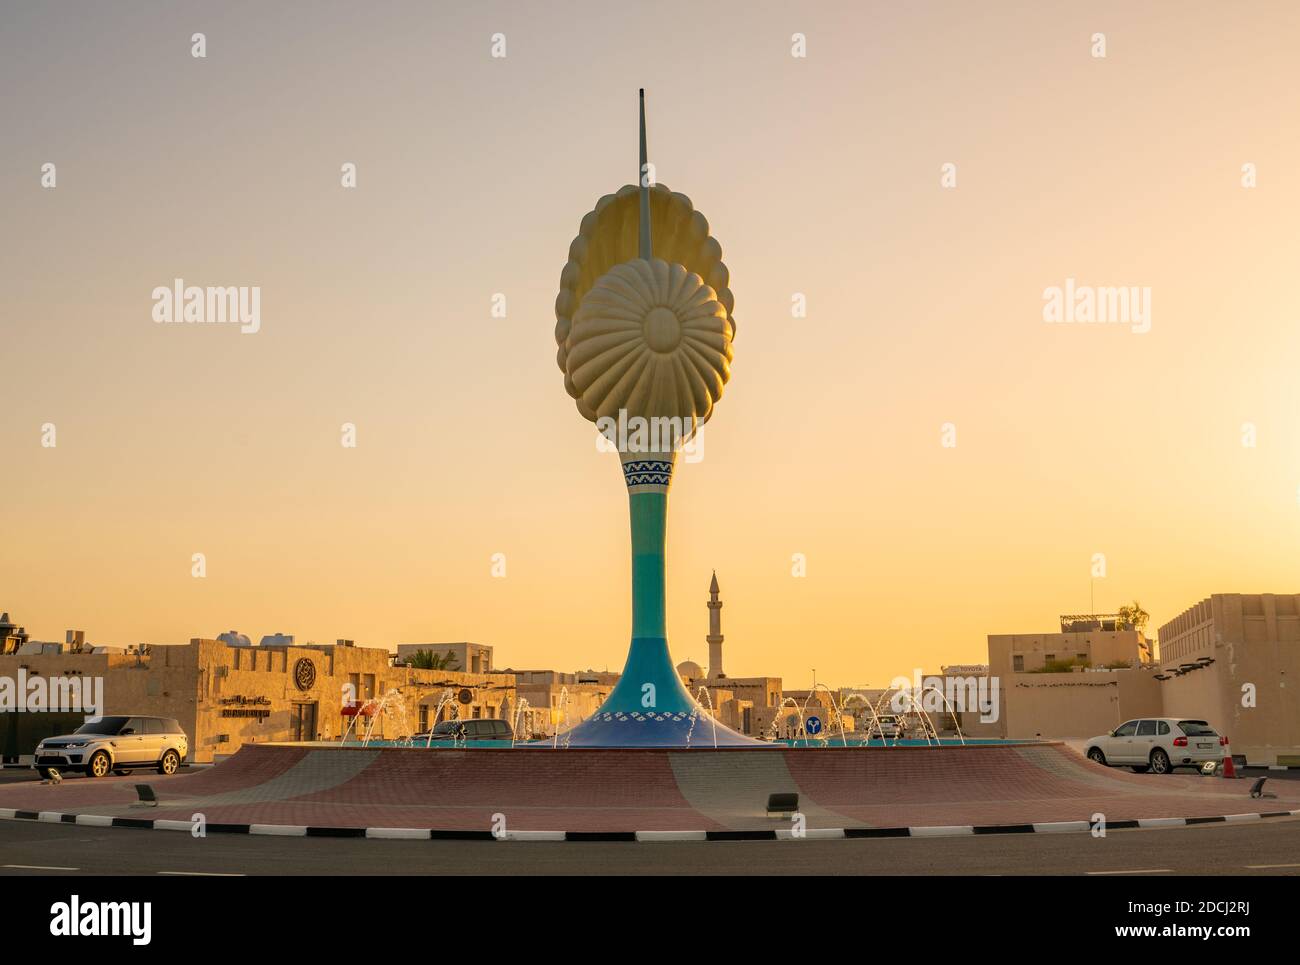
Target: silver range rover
116,744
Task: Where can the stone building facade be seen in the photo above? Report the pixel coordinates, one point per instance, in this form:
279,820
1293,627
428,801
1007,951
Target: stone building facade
1232,659
226,696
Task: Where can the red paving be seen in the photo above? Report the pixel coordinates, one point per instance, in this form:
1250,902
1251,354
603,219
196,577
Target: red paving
639,790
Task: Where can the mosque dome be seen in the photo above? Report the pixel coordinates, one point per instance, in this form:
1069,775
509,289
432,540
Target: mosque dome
690,670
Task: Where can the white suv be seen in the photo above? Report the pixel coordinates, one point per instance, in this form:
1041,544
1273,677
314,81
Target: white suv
1158,744
116,744
885,727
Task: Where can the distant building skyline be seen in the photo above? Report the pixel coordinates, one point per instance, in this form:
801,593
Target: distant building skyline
909,455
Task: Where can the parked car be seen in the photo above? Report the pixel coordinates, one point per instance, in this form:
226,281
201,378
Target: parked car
1159,744
466,730
116,744
885,727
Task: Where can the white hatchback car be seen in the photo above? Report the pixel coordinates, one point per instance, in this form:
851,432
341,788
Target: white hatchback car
1159,744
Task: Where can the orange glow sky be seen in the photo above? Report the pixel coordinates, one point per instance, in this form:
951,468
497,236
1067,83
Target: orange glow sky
818,175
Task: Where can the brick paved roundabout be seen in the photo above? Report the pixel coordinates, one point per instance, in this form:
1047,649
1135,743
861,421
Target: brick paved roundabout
297,788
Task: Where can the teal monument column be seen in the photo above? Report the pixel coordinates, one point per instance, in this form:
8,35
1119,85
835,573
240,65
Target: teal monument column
644,327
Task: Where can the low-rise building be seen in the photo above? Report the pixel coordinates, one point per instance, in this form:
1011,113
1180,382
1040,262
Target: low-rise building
1090,640
226,696
463,656
550,701
1233,660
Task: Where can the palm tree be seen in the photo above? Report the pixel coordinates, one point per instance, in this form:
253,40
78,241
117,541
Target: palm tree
428,660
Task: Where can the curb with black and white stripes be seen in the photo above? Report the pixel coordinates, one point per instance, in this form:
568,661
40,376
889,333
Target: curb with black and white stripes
771,834
29,761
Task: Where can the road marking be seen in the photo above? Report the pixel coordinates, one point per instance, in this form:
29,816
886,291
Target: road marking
532,836
1257,866
812,834
287,830
39,867
672,836
398,833
1135,871
1059,827
205,874
941,831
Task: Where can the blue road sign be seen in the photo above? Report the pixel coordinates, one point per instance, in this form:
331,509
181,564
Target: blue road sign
812,725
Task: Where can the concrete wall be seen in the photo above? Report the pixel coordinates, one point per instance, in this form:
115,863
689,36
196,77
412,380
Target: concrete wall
1075,705
1254,641
1224,648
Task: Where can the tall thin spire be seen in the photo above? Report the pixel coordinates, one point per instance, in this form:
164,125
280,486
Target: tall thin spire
642,174
715,637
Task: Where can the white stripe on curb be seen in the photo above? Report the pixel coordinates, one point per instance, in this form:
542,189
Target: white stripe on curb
811,834
165,825
397,833
1162,822
672,836
1060,827
284,830
50,817
95,820
1237,818
941,831
532,836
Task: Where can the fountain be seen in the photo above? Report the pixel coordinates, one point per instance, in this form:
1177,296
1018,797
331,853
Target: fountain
839,717
695,715
448,697
777,719
562,705
520,714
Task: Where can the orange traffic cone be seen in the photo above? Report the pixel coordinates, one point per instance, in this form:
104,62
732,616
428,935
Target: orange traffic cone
1229,771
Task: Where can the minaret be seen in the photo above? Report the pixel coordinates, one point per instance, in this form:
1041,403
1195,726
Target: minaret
715,630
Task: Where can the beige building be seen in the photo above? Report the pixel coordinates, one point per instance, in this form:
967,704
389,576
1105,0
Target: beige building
226,696
1098,641
463,656
1233,659
745,704
1072,705
551,701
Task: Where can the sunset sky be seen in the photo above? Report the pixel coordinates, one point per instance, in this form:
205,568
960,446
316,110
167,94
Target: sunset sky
819,175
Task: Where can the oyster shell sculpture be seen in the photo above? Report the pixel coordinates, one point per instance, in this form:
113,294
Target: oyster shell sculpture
652,337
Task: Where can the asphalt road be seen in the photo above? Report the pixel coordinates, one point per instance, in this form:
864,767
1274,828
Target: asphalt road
1266,848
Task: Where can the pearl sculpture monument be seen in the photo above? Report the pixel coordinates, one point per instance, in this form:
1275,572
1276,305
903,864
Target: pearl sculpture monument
645,329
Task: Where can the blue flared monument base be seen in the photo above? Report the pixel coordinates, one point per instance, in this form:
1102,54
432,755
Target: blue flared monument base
657,730
650,707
